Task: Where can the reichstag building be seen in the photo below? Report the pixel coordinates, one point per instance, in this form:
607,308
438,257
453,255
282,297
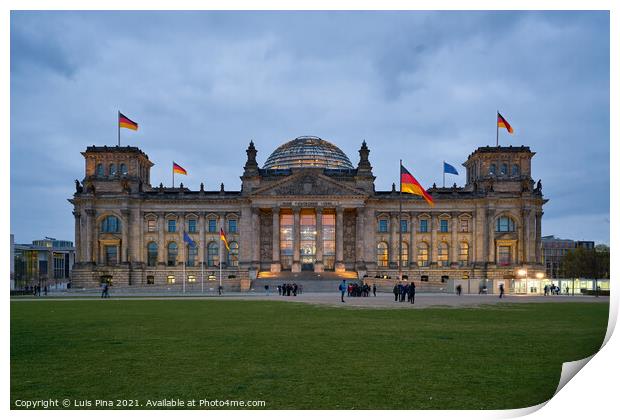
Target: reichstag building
307,210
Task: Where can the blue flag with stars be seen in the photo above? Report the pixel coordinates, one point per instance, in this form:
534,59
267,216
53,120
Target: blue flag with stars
449,169
189,240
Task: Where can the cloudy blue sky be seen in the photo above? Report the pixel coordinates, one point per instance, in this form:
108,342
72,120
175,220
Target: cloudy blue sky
421,86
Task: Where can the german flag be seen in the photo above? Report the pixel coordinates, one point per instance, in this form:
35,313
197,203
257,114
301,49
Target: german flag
501,122
177,169
125,122
411,185
223,238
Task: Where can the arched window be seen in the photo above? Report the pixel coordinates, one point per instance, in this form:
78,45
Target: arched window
442,254
112,169
423,254
192,253
99,171
213,254
110,224
515,170
382,254
492,169
503,169
404,255
233,255
151,251
123,169
505,224
173,251
463,254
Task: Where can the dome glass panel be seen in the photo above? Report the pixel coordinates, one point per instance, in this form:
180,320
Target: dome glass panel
308,152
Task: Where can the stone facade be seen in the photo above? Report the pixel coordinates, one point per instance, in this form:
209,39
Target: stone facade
304,218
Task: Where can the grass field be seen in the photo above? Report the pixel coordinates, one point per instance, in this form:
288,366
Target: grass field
298,356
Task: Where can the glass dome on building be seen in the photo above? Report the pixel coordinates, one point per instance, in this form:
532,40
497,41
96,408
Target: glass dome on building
308,152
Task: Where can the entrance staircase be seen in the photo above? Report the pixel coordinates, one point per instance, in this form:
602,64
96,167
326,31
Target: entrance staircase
311,281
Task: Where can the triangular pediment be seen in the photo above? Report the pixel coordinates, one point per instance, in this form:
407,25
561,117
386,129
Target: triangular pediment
307,184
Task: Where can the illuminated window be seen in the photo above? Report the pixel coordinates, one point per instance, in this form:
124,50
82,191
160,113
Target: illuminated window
442,254
191,279
170,280
151,225
232,258
464,225
504,256
423,254
382,254
404,256
464,254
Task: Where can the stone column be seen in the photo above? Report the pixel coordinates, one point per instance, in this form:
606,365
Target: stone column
318,265
161,245
181,243
124,236
296,267
256,238
91,237
413,249
339,240
78,238
360,264
432,252
202,234
491,237
454,251
221,217
538,236
275,258
393,254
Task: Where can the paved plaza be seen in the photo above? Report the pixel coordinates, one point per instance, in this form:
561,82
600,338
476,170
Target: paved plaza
381,301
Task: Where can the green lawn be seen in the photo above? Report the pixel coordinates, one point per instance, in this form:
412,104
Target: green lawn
298,356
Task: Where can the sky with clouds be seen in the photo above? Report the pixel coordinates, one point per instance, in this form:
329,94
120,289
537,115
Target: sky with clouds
419,86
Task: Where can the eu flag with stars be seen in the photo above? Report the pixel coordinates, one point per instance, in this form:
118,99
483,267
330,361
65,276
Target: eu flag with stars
189,240
449,169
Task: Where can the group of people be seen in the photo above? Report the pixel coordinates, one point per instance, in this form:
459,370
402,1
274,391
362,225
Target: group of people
552,289
288,289
36,290
361,290
404,292
105,291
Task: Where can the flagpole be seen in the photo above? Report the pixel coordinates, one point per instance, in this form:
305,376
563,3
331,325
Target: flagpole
184,273
444,173
172,174
202,271
496,130
400,223
118,124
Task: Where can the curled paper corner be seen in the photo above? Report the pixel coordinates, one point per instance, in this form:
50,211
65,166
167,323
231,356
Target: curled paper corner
570,369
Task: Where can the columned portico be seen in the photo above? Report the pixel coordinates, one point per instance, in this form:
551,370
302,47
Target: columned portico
318,265
339,240
296,267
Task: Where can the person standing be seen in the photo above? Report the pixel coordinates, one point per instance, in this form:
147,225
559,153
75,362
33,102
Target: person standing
412,293
267,289
501,290
396,292
374,290
343,289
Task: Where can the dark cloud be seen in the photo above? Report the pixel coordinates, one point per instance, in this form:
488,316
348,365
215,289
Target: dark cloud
421,86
